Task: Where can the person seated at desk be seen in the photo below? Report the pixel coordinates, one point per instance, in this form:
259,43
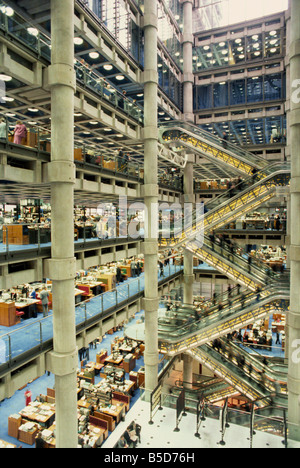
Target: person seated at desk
122,443
131,441
137,429
39,441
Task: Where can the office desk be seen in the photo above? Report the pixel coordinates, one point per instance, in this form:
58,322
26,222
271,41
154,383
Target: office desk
42,413
86,404
91,288
108,279
8,316
117,411
114,362
94,366
29,308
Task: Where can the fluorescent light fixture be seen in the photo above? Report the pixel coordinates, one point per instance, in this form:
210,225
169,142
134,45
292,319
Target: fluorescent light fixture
33,109
4,77
78,41
33,31
9,11
94,55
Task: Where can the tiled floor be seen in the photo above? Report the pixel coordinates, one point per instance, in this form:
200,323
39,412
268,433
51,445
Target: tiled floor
161,434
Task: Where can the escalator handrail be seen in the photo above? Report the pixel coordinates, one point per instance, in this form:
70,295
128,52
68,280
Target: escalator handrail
186,332
279,169
243,155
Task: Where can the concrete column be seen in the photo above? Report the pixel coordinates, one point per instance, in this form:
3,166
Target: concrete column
63,361
188,180
187,371
293,320
188,76
150,193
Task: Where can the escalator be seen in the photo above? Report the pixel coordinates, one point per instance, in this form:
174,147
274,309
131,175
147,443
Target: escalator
212,390
232,262
185,136
244,371
175,338
246,197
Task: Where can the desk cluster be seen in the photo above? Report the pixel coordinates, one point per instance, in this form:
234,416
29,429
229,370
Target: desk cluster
101,406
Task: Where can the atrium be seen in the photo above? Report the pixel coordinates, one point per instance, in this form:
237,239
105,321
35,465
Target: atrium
149,223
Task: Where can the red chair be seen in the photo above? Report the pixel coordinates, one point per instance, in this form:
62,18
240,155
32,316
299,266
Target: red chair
19,314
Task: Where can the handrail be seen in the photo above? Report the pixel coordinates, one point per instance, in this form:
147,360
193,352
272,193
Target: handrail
263,184
219,323
243,155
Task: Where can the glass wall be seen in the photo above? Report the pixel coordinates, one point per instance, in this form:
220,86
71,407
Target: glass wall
216,13
257,131
241,50
169,81
121,22
244,91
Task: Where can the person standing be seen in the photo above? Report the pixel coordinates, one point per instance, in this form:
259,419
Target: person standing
20,132
2,129
44,296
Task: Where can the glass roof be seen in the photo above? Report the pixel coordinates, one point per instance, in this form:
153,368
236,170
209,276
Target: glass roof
217,13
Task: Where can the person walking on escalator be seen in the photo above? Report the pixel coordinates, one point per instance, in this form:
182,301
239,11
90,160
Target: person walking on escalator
254,175
212,239
249,263
225,140
258,291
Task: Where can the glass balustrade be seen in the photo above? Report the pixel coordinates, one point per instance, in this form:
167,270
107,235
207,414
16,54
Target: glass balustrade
240,158
37,41
29,337
246,195
18,236
225,317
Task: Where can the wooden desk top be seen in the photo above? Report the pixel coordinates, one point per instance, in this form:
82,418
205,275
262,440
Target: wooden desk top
39,412
110,360
84,404
21,305
94,365
115,410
